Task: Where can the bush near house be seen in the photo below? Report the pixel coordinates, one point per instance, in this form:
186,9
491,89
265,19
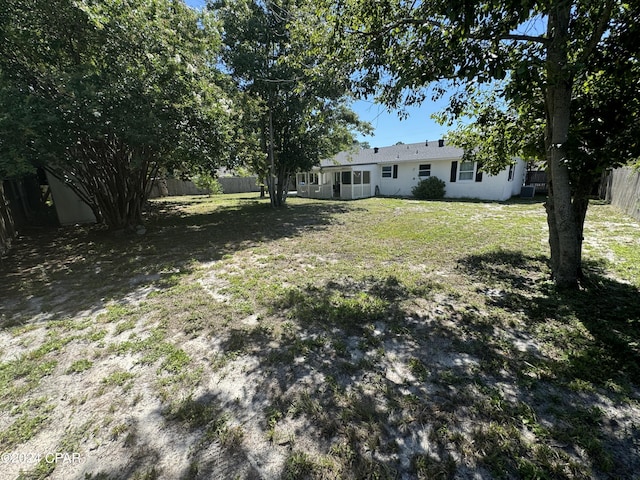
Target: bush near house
431,188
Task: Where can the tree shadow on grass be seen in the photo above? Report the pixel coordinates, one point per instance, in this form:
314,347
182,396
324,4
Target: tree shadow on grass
371,378
592,362
324,377
386,391
64,271
609,309
392,392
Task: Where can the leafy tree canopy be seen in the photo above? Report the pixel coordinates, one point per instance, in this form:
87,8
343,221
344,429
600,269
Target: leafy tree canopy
567,70
104,93
297,111
509,117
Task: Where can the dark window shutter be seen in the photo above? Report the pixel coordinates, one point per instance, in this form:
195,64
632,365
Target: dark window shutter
454,171
478,175
395,171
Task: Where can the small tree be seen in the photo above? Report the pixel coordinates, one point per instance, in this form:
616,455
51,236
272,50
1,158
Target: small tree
205,181
431,188
295,103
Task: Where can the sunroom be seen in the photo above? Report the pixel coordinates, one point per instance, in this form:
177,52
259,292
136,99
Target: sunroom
314,185
341,182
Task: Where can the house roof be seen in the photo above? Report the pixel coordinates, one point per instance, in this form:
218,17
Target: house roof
394,154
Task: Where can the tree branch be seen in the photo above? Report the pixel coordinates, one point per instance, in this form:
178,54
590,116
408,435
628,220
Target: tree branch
522,38
420,22
601,27
398,23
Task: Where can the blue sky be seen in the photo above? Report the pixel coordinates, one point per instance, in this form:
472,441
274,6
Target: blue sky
388,127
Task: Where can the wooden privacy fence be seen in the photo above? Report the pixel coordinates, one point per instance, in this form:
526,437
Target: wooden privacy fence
622,189
174,186
239,184
537,178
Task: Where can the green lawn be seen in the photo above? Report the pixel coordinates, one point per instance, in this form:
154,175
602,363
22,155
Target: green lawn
380,338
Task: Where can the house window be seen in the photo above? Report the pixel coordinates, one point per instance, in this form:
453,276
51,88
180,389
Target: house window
366,177
313,179
424,170
466,171
512,171
390,171
346,178
357,178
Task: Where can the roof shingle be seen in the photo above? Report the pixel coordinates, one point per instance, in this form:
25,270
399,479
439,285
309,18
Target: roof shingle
395,154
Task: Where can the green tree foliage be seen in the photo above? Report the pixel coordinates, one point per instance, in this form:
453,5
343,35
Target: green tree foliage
552,56
102,94
207,182
604,127
295,103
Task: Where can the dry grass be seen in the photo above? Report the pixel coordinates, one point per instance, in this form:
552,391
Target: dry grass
381,338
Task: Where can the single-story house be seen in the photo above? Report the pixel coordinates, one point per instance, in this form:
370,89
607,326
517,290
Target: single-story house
395,170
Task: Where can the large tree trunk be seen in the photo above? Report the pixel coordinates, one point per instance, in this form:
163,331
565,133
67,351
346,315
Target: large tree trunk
112,179
278,177
278,188
7,227
565,238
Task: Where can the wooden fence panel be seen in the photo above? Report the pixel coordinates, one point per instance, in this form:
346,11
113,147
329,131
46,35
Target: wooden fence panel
172,186
624,190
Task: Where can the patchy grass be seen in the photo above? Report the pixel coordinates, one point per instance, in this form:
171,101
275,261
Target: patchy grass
382,338
80,366
118,378
29,419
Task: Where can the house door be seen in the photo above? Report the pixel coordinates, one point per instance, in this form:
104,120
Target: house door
336,184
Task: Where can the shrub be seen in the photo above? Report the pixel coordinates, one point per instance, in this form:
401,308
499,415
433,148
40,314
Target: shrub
430,188
208,183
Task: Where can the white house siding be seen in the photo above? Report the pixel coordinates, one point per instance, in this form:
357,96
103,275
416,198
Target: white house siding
490,188
352,192
69,207
403,164
408,176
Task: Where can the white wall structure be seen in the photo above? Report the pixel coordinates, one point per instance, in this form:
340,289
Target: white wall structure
395,170
69,207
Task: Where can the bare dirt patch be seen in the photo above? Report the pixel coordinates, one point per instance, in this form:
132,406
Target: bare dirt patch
315,353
